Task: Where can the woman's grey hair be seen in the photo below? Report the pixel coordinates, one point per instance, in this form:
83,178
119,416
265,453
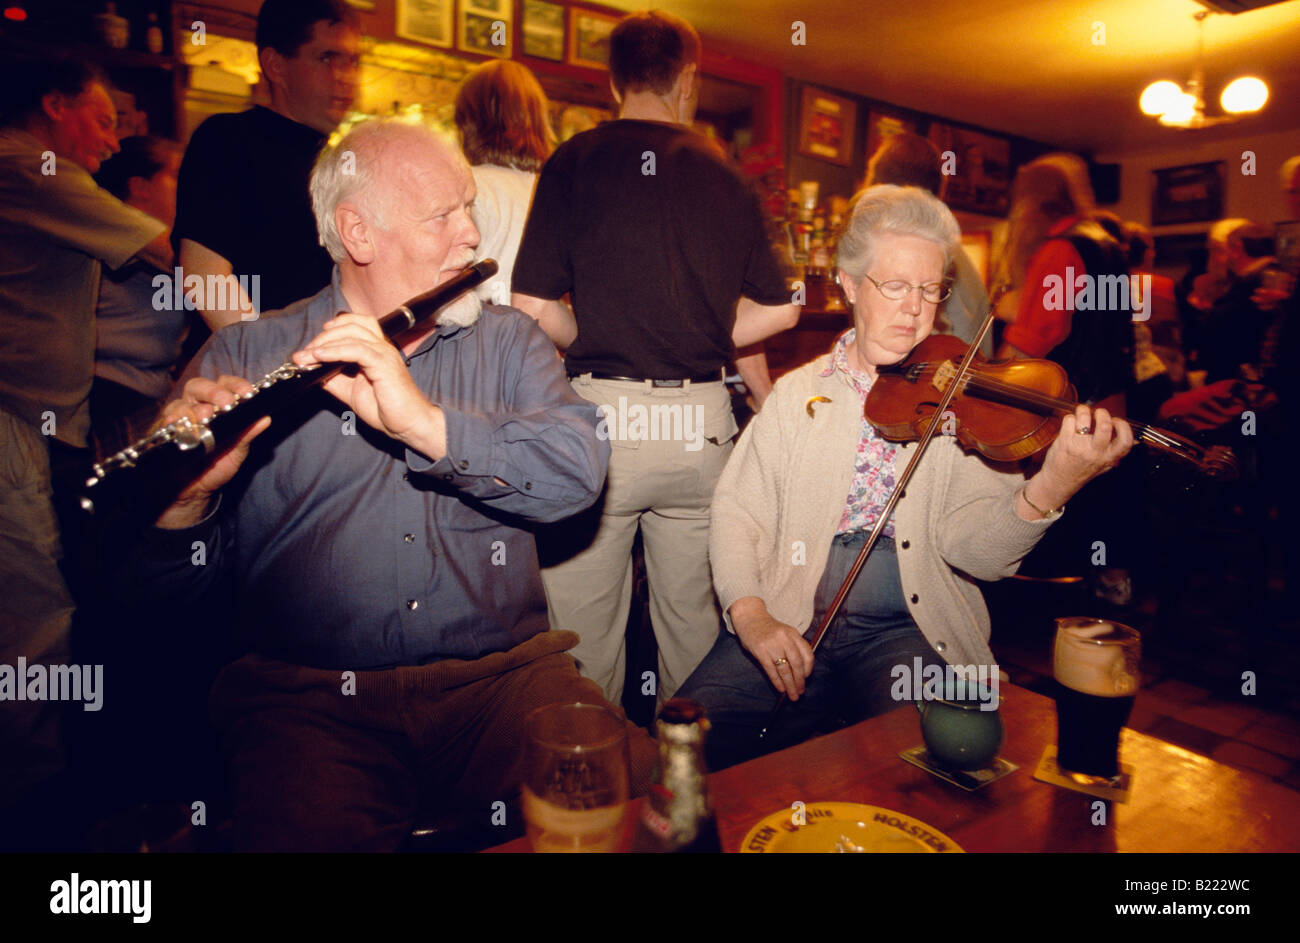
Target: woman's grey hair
347,166
894,210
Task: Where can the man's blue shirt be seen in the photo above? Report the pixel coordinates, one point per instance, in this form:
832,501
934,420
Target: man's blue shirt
348,550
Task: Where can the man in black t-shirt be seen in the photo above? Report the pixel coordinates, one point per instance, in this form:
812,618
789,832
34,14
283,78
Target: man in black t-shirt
662,249
242,206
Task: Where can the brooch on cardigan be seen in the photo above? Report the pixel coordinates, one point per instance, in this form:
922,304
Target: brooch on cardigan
815,399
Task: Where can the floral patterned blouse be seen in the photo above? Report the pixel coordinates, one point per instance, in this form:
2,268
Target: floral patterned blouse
873,473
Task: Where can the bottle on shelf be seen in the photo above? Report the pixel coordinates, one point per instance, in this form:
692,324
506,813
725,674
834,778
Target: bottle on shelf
677,816
113,30
153,35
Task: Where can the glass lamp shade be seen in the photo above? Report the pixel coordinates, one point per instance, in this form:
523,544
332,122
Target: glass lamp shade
1159,97
1181,111
1244,95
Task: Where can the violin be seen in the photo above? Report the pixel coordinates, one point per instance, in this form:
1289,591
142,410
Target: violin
1006,410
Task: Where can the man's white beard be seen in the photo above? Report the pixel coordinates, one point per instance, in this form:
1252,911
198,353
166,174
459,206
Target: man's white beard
462,312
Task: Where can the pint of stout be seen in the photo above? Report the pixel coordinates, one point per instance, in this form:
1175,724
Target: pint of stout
1096,668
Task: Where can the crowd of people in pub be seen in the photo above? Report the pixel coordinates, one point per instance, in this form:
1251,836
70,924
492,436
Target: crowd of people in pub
365,599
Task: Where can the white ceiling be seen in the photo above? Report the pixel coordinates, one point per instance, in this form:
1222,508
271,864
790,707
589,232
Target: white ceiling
1028,67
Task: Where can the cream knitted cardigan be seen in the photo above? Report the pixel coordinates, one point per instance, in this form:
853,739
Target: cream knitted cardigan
782,495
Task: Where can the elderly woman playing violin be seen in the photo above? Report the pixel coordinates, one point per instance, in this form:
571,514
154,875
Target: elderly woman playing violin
809,480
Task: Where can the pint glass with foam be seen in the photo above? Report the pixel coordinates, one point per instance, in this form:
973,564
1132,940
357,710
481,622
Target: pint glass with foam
1095,663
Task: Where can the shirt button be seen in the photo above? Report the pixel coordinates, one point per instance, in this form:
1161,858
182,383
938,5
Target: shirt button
463,464
528,486
413,604
409,538
940,647
914,597
447,477
406,476
905,544
408,363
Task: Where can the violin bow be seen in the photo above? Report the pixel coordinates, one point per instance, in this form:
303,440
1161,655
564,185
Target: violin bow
838,602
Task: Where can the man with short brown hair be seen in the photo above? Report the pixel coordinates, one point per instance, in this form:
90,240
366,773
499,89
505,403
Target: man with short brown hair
665,254
241,204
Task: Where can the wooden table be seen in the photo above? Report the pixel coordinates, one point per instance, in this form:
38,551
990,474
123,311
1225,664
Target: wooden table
1180,801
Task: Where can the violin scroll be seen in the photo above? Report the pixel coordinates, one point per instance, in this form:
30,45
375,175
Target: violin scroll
1218,463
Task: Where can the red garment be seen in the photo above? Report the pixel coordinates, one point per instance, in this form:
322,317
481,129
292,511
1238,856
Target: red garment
1164,300
1038,330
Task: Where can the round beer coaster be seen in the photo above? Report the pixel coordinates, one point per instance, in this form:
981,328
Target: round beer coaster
844,827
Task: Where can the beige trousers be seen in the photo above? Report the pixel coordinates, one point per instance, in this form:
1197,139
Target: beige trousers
668,449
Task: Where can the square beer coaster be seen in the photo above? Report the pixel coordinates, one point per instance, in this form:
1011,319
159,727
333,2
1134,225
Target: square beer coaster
1115,790
969,779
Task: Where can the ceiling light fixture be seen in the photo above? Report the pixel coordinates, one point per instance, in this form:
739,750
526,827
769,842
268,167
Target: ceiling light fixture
1177,107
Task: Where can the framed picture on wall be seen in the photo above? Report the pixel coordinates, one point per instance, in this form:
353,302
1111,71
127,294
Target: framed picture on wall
1189,194
982,181
544,30
589,38
882,125
485,27
425,21
826,125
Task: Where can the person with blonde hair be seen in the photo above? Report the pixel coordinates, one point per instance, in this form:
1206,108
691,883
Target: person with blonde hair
1290,176
1052,240
1058,258
505,130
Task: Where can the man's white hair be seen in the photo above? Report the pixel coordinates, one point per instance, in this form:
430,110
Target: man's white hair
350,164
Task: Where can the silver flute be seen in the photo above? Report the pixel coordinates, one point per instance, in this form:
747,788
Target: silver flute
176,453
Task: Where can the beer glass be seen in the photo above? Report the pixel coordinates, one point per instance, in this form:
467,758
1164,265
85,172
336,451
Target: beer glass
576,788
1095,663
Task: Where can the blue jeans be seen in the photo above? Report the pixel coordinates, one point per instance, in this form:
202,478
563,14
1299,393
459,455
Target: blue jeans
851,674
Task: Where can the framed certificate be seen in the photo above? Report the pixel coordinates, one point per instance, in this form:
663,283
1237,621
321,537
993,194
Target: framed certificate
425,21
544,30
589,38
1188,194
486,27
826,125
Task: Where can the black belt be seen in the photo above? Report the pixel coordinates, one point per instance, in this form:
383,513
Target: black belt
716,376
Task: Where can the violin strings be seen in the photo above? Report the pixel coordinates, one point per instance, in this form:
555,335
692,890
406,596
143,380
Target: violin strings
982,383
